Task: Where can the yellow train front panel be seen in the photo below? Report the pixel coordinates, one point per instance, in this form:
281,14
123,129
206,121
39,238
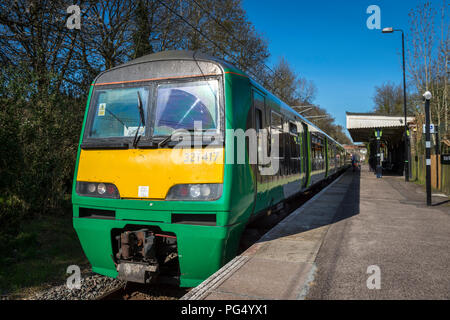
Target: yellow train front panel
150,173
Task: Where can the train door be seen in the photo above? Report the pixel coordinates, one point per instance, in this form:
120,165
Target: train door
259,124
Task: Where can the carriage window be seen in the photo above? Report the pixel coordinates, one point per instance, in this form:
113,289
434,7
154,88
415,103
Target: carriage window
116,112
294,144
258,103
333,158
276,121
318,152
293,128
258,124
179,105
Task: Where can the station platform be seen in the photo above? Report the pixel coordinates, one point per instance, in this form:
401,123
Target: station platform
323,249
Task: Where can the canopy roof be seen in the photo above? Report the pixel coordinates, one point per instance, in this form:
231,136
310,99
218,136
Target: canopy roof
362,126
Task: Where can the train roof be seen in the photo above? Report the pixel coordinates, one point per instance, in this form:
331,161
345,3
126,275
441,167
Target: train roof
165,64
181,55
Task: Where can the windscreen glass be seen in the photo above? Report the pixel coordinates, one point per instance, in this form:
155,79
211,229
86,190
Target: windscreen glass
181,104
116,112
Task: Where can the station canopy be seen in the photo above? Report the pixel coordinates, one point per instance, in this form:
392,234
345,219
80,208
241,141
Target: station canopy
362,126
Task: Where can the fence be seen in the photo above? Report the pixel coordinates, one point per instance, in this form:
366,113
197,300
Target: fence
440,173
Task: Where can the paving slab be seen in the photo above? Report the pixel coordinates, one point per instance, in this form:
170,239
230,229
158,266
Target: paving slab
394,230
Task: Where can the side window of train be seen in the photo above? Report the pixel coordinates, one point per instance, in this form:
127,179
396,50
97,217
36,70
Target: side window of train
276,130
314,151
305,150
294,161
258,103
330,153
258,120
286,147
301,144
284,150
318,152
322,155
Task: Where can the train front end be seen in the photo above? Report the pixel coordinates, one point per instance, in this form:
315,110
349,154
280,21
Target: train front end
148,198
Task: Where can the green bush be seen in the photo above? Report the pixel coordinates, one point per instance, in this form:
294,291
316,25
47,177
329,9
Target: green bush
39,130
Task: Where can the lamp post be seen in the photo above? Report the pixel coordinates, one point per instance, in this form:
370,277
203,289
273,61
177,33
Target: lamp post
391,30
427,96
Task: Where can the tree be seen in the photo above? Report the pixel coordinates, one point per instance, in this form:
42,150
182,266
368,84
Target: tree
142,31
289,86
33,33
299,93
106,31
428,52
221,28
388,99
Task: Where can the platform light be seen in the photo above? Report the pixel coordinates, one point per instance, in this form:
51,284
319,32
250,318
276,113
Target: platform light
427,95
406,133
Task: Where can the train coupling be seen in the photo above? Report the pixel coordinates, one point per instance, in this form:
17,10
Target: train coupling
136,256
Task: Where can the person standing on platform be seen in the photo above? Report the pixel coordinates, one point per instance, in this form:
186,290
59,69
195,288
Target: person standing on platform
354,162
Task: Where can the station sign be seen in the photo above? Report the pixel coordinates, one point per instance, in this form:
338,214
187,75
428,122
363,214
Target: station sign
445,158
431,128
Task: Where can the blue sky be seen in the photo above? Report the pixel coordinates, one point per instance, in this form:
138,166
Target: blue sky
329,43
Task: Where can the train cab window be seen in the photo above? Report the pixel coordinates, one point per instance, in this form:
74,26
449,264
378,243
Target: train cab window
115,113
179,105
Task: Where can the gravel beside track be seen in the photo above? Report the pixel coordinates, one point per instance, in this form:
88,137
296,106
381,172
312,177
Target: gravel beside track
92,286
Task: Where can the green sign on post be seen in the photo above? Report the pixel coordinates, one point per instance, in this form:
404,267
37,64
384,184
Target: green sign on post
378,133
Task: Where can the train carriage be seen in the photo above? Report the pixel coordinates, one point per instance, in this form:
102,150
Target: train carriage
148,205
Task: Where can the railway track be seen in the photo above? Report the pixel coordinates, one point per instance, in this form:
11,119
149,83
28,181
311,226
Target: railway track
136,291
254,231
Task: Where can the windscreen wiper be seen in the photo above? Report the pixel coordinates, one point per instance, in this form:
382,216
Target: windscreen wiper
137,136
164,141
167,139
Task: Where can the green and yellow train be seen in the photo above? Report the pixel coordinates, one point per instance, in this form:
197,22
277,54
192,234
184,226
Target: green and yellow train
148,205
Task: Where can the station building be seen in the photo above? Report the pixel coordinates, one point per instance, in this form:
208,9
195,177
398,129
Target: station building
384,132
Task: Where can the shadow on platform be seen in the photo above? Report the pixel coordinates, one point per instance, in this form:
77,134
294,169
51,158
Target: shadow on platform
339,201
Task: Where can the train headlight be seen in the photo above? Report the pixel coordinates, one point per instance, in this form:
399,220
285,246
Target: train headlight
97,189
101,188
91,187
205,190
195,192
